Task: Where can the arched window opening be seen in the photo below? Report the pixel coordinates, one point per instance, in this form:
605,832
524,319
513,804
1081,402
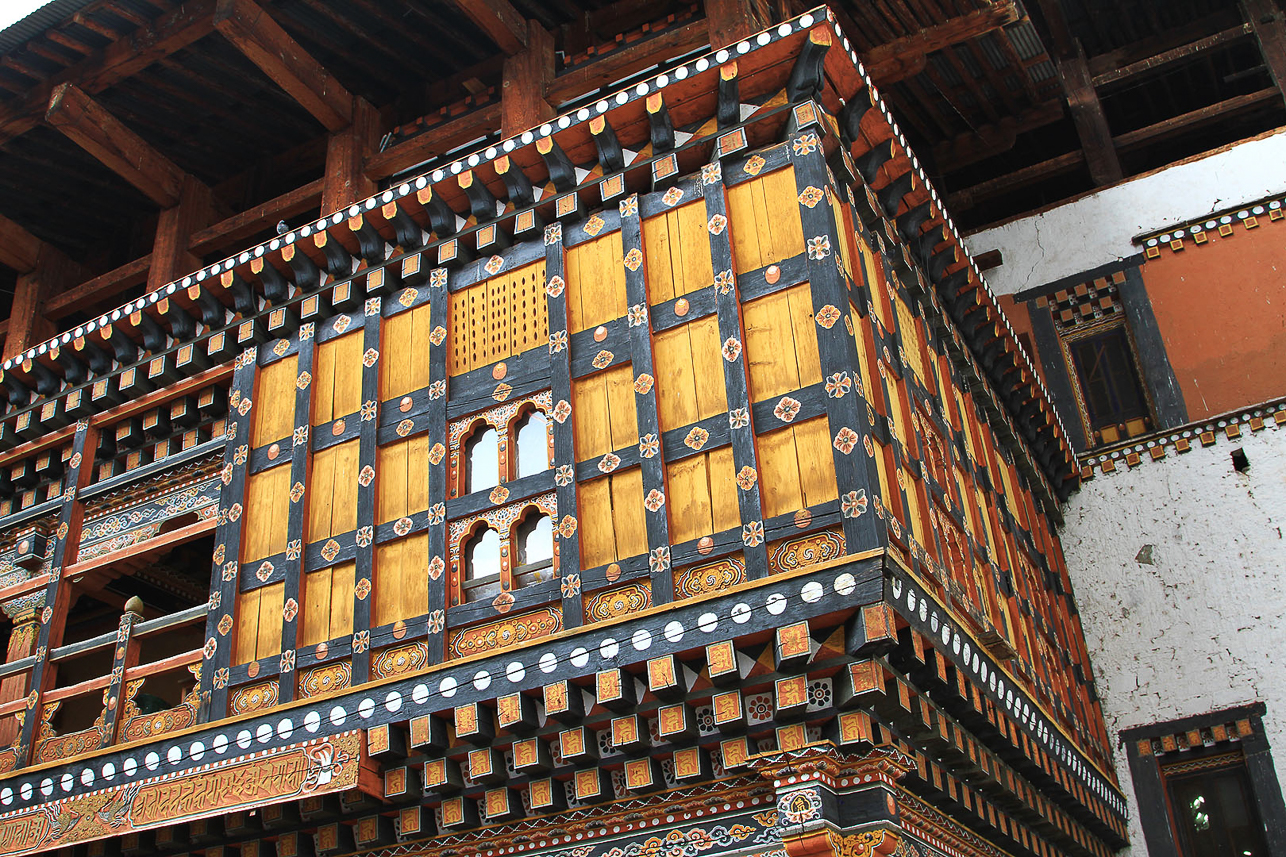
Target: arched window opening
534,543
532,444
482,565
482,460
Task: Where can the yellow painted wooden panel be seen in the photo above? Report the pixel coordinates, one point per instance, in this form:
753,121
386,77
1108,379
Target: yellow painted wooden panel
528,308
689,373
327,604
401,588
677,252
688,499
343,515
390,487
816,461
595,282
404,352
271,599
621,408
266,510
781,343
779,485
247,627
594,503
274,416
766,226
910,331
337,378
321,485
591,423
723,489
628,512
499,317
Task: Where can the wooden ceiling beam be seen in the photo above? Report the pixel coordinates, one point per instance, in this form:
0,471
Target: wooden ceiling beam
252,31
906,57
1174,37
979,193
120,60
502,23
996,139
1196,118
19,249
1160,61
1269,25
89,125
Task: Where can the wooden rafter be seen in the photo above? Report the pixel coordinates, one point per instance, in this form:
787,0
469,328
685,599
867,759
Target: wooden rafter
19,249
253,32
90,126
905,57
1269,24
995,139
502,23
1164,59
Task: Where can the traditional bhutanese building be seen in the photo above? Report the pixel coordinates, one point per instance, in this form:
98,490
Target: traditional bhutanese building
577,430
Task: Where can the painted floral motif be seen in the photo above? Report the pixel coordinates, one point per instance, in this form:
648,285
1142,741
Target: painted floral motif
219,553
362,589
724,281
494,264
738,418
711,173
341,324
230,570
208,650
609,462
557,341
264,571
810,196
838,385
330,550
221,677
301,436
805,144
752,534
365,536
438,335
225,625
845,440
282,346
648,445
731,349
436,453
869,445
369,356
498,495
437,389
240,454
436,567
437,513
602,359
659,559
437,621
403,526
827,316
245,406
294,549
503,602
501,392
567,527
287,662
366,476
561,411
369,409
746,478
637,315
643,384
306,331
594,225
565,475
634,259
786,409
404,428
553,233
407,297
753,165
853,504
361,642
717,224
696,438
630,206
819,247
672,196
305,378
654,500
571,585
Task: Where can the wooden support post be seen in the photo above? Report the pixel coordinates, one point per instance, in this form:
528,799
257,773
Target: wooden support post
525,83
1091,123
171,257
736,383
1269,24
225,565
730,21
53,616
346,152
24,614
439,461
651,456
367,462
567,557
297,518
42,271
125,657
855,470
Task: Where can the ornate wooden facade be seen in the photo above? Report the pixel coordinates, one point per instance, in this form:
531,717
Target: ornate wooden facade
801,482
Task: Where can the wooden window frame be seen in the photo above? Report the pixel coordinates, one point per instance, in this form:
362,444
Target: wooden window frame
1067,339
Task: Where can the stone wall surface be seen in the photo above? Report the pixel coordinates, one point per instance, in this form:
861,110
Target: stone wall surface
1197,625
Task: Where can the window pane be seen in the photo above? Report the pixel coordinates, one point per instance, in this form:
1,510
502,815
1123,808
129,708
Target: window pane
1215,814
482,556
482,461
536,540
533,446
1108,378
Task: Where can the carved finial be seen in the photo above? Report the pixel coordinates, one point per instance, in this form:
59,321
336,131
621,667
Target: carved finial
134,605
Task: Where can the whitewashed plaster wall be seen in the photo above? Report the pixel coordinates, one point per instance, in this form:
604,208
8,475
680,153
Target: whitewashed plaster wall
1201,628
1098,229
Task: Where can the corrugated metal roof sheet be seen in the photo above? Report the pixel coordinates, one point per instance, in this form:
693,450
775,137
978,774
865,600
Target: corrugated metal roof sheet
52,13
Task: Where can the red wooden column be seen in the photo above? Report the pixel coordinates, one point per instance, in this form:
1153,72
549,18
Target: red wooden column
730,21
526,81
345,181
